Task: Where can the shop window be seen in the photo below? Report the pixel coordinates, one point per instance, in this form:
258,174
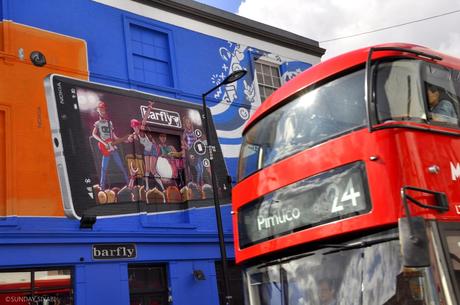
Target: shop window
235,278
148,285
268,78
38,286
150,56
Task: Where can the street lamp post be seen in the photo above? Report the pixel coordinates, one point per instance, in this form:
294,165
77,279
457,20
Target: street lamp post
234,76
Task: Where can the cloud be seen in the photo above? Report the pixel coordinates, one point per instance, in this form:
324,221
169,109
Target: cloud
327,19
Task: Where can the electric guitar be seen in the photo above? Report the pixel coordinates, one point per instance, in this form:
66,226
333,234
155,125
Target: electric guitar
111,145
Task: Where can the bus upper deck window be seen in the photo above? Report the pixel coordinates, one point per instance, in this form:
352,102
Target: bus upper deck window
304,121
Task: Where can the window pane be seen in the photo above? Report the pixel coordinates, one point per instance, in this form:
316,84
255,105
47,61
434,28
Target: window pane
316,280
264,79
265,286
153,300
398,91
269,81
52,278
383,264
145,278
15,280
262,93
266,69
370,276
453,245
147,285
136,300
48,287
411,89
150,48
269,91
258,68
441,93
235,278
260,78
267,78
325,279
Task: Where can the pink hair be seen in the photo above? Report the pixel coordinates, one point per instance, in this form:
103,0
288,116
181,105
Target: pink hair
135,123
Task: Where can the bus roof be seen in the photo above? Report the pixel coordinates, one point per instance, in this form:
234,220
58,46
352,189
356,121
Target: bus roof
339,64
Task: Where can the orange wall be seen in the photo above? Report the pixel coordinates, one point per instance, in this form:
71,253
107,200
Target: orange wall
28,178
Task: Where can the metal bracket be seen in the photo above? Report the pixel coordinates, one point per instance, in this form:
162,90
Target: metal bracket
413,237
440,197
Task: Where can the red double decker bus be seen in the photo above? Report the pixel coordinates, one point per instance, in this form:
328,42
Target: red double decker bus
349,188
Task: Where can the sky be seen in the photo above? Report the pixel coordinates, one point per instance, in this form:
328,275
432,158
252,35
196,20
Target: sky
324,20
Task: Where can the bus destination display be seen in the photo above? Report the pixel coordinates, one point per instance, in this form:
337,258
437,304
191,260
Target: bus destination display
335,194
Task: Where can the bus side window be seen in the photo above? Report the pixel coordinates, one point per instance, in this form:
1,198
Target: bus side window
441,87
383,106
398,94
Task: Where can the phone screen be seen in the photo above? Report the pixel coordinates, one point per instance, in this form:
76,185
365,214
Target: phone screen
123,152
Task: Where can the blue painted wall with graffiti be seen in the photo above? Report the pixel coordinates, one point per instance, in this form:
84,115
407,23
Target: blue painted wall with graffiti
139,53
180,63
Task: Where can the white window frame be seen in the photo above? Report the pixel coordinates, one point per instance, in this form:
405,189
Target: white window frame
269,62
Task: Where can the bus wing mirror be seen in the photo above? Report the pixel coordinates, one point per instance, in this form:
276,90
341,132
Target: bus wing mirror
414,242
441,199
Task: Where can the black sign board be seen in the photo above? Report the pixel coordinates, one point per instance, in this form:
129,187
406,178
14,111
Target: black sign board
114,251
336,194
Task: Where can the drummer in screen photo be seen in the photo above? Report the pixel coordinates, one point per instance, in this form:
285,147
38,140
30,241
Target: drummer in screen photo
169,156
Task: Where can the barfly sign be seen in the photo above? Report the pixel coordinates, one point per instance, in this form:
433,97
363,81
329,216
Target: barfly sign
114,251
162,117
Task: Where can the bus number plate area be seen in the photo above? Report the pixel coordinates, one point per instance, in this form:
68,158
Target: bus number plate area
336,194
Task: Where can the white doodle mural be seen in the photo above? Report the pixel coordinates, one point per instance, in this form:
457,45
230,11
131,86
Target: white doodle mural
237,102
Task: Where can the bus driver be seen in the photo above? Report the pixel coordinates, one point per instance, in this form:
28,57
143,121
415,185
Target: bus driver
442,109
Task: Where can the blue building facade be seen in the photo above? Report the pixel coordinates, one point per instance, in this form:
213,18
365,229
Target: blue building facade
173,49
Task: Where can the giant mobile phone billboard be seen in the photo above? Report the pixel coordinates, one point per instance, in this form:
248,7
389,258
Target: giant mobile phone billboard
123,152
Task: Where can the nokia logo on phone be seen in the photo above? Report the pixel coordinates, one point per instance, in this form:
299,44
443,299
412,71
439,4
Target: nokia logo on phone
162,117
60,93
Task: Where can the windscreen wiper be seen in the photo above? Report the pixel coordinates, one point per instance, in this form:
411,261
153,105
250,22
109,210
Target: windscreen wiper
358,245
336,248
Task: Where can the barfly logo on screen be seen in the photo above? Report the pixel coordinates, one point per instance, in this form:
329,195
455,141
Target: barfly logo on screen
162,117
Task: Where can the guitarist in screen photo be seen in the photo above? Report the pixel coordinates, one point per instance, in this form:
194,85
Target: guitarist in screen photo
107,141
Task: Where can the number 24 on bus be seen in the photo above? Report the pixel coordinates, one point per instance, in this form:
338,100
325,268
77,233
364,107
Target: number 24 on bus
348,188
